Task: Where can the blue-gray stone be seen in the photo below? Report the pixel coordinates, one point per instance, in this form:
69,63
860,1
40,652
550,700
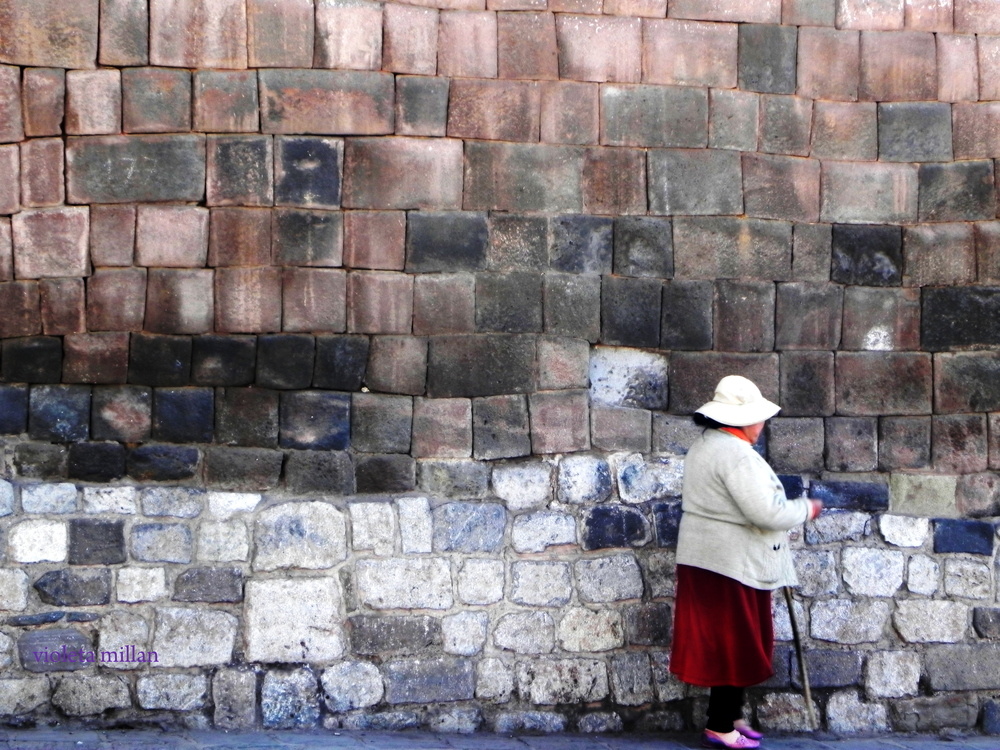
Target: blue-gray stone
162,463
953,317
795,486
429,680
469,527
57,650
59,413
866,255
308,172
75,588
864,496
582,244
667,520
289,700
959,535
13,409
446,241
42,618
184,415
608,526
315,420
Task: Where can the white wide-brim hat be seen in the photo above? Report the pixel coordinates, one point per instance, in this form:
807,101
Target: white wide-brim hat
738,403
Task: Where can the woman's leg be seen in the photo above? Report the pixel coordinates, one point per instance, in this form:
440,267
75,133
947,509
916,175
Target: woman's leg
725,705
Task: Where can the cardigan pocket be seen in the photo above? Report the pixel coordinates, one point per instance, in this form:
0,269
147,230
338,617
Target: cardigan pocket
763,559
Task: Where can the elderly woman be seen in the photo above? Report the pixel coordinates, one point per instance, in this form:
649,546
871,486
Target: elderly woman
732,551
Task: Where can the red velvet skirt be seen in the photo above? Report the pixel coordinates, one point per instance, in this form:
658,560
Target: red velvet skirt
723,630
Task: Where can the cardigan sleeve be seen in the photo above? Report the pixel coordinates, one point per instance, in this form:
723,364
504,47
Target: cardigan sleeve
759,495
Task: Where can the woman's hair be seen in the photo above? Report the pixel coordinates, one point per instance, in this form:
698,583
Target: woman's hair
702,421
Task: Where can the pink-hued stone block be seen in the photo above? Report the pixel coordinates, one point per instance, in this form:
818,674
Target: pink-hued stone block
6,250
845,130
116,299
379,302
314,299
614,181
349,34
929,15
884,15
63,306
857,192
829,63
58,33
898,66
957,68
43,96
560,421
51,242
19,302
179,301
379,173
641,8
280,34
397,364
112,235
226,101
248,300
589,7
989,68
467,44
11,121
93,102
410,39
95,358
323,102
171,236
198,33
615,428
977,16
746,11
494,110
124,34
689,53
987,235
781,187
239,237
375,239
570,112
444,303
939,255
976,130
563,363
442,428
156,100
10,182
42,172
526,46
501,5
600,48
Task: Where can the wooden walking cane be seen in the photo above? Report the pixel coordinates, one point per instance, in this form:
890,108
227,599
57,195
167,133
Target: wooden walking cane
801,657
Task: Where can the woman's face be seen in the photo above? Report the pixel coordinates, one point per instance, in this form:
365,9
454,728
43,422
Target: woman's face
753,431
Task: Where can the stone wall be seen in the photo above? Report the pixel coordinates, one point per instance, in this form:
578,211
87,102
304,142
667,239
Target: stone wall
348,348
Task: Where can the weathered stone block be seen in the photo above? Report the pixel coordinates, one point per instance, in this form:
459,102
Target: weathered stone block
689,53
604,48
464,366
240,170
957,535
385,473
493,110
719,247
692,182
534,532
859,192
223,541
500,427
469,527
780,187
96,462
319,471
959,443
50,242
350,685
282,35
247,417
845,130
614,181
37,359
467,44
572,305
162,462
828,63
161,542
375,239
307,238
285,361
209,585
927,621
442,428
443,303
962,191
180,502
42,179
289,700
239,237
867,255
914,131
446,241
59,413
870,383
509,302
410,40
62,306
744,312
523,177
340,362
570,112
389,584
242,469
307,171
226,101
767,58
850,622
156,100
74,588
93,102
526,45
43,97
654,116
807,384
183,415
428,680
379,302
545,681
898,66
643,246
172,692
85,695
315,420
249,300
421,101
198,34
223,360
116,299
378,634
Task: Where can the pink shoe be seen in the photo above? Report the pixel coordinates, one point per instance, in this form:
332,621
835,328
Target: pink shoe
747,731
713,739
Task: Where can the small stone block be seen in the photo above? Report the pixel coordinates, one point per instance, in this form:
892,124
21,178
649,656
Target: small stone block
397,364
442,428
96,462
13,409
95,358
226,101
281,35
307,171
375,239
959,535
42,179
239,237
687,314
43,98
582,244
223,360
767,57
240,170
421,105
248,300
381,423
315,420
859,496
96,542
307,238
392,473
37,359
122,413
446,241
162,463
156,100
159,360
209,585
243,469
285,361
500,427
962,191
341,362
183,415
560,421
59,413
643,246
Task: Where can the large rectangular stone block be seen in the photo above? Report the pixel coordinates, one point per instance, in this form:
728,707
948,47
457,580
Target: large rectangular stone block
281,35
765,11
124,32
898,66
960,667
630,311
198,33
225,101
781,187
480,365
509,302
687,315
410,39
421,105
767,56
526,46
560,421
313,299
599,48
914,131
51,242
444,303
42,179
695,182
378,171
744,316
307,171
643,246
156,100
493,110
884,383
939,255
379,302
116,299
614,181
962,191
655,116
829,63
693,376
570,112
95,358
689,53
581,244
867,255
572,305
959,444
523,177
50,32
875,193
128,169
807,388
734,117
467,44
238,237
43,100
717,247
967,382
808,316
326,102
240,170
976,130
375,239
845,130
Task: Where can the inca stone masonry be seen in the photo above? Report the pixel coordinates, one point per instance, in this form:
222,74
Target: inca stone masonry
347,350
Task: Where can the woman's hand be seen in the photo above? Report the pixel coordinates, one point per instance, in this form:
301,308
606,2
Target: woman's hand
815,508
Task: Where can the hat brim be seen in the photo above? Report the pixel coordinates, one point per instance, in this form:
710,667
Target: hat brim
740,415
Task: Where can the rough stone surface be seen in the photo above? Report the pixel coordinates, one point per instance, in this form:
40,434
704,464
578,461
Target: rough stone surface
294,620
300,535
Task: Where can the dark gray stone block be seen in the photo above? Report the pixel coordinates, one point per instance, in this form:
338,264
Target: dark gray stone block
75,588
94,541
518,243
960,535
243,469
301,237
242,170
223,360
183,415
159,360
962,667
394,472
667,522
785,124
285,361
573,305
961,191
37,359
509,302
451,478
55,650
867,255
421,105
246,417
687,309
381,423
828,668
582,244
807,384
41,460
767,56
643,246
608,526
695,182
986,621
862,496
59,413
131,169
209,585
469,527
307,171
428,680
341,362
654,116
315,420
42,618
96,462
373,635
162,463
446,241
13,409
953,317
914,131
325,472
647,624
480,365
500,427
630,311
991,717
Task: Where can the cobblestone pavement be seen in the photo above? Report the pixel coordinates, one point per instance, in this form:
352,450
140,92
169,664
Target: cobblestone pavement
218,740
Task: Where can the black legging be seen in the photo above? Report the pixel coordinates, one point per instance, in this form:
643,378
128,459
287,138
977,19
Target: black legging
725,705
